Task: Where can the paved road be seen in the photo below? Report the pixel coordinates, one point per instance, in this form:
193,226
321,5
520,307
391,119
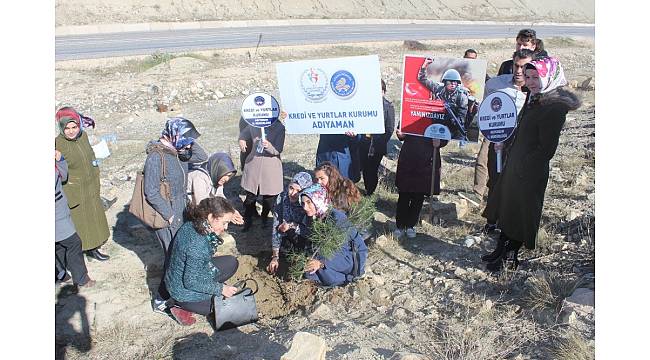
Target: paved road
139,43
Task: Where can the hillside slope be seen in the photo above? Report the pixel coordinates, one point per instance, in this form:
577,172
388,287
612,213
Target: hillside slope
84,12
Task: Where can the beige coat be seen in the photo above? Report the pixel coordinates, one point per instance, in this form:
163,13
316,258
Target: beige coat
263,171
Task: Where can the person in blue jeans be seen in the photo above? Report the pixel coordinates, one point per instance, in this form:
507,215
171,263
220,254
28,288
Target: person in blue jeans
349,261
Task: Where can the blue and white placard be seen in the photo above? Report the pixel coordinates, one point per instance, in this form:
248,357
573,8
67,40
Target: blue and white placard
260,110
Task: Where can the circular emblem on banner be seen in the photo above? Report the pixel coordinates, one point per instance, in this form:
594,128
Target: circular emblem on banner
343,84
497,117
260,110
495,104
313,83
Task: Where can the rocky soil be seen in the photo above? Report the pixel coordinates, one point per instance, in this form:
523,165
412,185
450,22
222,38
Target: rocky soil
430,295
84,12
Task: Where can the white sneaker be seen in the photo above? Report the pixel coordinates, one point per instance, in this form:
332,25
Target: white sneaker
159,306
397,233
410,233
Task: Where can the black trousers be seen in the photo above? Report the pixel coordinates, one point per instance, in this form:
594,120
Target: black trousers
249,205
369,169
227,266
68,256
409,205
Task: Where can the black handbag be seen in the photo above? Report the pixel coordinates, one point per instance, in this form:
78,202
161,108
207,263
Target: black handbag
237,310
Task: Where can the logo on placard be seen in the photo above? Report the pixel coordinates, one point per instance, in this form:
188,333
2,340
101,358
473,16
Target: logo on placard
313,83
496,104
343,84
259,100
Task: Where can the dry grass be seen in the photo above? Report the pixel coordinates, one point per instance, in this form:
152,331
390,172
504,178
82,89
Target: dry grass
489,334
546,291
572,346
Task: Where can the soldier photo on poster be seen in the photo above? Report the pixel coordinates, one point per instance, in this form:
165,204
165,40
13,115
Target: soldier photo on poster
442,91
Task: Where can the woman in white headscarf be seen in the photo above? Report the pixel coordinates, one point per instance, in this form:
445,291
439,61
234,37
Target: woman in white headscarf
521,186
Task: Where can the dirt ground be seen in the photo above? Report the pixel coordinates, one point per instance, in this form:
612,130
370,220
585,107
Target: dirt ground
429,295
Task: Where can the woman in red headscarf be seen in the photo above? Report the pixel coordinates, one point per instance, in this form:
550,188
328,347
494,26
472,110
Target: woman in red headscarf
82,187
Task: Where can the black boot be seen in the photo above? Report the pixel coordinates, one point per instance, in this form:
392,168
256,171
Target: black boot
508,256
501,241
95,254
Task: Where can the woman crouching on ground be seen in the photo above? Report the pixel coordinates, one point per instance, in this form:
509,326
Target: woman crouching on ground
341,191
349,261
289,220
194,276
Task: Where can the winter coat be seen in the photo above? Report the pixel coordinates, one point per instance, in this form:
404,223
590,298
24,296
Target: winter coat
263,170
286,211
414,166
63,225
338,269
339,149
191,275
521,187
176,174
82,191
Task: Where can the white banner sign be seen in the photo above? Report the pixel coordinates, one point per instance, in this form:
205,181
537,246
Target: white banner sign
332,96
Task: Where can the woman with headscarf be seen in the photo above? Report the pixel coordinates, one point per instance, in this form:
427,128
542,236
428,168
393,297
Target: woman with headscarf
176,147
289,219
82,187
263,169
349,261
521,187
207,179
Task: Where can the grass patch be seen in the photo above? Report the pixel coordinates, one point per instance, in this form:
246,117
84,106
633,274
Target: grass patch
572,346
546,291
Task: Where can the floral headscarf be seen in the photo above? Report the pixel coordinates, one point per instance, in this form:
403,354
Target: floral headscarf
318,196
302,179
180,132
550,73
68,114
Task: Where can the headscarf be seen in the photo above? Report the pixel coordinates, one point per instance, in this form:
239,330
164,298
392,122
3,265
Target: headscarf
180,132
550,73
302,179
218,165
68,114
318,195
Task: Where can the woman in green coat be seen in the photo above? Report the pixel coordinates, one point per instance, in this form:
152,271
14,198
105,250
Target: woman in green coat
82,187
521,187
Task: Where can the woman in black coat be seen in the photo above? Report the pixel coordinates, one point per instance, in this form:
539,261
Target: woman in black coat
521,187
413,179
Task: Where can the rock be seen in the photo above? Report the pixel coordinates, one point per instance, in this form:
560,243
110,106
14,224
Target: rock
460,272
306,346
380,217
380,297
245,92
322,312
379,280
573,214
440,210
469,241
582,296
384,241
219,94
407,356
